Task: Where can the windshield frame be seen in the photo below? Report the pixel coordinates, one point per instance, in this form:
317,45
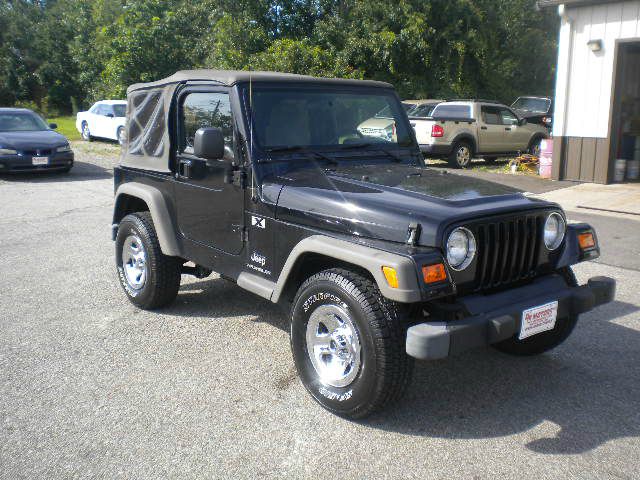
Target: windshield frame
28,113
260,152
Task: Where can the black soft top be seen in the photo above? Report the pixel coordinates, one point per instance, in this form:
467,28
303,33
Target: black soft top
232,77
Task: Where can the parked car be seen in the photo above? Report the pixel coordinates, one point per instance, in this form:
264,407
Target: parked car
422,108
460,130
377,259
27,143
105,119
535,109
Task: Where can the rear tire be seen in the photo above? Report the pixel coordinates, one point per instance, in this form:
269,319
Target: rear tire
461,155
545,341
348,344
149,278
120,135
86,132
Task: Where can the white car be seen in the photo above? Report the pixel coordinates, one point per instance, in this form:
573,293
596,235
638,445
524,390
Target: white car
105,119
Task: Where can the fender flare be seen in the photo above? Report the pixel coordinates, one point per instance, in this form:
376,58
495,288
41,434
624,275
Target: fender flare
162,220
466,137
368,258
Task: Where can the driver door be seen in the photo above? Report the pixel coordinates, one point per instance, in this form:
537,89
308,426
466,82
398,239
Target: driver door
209,210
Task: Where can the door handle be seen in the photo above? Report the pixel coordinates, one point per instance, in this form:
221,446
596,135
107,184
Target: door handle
483,128
184,168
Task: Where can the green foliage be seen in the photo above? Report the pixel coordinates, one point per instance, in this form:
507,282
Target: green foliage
64,54
66,126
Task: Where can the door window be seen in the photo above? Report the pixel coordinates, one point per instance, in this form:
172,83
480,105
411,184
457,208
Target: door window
508,117
491,116
203,110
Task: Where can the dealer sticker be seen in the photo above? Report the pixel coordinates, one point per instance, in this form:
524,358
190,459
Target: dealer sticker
538,319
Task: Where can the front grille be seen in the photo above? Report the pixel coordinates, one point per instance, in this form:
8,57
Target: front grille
45,152
508,250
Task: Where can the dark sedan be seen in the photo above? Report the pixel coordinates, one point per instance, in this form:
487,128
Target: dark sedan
27,143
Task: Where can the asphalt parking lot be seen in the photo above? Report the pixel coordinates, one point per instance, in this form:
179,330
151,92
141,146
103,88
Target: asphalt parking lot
91,387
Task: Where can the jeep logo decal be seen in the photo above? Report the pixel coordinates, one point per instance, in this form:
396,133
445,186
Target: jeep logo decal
259,259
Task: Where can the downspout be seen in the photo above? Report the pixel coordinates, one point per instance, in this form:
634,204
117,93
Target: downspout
568,22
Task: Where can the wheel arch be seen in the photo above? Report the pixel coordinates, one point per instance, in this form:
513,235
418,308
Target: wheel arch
466,137
317,253
136,197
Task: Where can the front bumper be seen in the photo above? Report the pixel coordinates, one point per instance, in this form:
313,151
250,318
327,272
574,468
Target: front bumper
436,150
493,318
24,163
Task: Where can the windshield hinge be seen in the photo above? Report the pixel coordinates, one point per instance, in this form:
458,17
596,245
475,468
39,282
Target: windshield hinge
244,234
413,234
240,178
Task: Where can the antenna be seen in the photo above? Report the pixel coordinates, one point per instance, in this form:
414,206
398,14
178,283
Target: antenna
253,176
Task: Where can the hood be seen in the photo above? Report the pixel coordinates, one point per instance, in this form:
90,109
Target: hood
381,201
377,123
528,114
42,139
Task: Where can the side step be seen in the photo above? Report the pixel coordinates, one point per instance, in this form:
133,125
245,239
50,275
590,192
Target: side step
255,284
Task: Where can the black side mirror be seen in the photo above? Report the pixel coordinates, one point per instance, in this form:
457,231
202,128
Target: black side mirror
522,121
110,115
209,144
53,126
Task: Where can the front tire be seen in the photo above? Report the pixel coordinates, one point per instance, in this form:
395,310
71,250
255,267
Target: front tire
149,278
535,147
543,342
348,344
461,155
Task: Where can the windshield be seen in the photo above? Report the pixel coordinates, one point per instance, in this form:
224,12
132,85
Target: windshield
327,117
21,122
119,110
540,105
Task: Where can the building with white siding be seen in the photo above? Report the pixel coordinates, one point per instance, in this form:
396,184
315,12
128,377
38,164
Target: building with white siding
597,105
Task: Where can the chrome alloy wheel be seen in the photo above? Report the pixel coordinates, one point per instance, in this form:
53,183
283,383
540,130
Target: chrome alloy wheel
121,136
134,262
333,345
463,155
86,133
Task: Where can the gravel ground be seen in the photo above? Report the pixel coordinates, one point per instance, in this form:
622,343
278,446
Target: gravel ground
90,387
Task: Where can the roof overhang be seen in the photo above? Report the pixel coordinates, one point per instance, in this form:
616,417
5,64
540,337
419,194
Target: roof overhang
573,3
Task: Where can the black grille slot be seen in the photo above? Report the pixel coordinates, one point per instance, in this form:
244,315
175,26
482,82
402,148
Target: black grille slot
45,152
508,251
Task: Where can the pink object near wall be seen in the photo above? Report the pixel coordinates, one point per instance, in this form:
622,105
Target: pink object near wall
546,158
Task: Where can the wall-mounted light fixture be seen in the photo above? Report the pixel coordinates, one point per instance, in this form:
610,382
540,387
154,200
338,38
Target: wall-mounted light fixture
595,45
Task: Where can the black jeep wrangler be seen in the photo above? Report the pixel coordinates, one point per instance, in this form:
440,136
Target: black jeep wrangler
312,193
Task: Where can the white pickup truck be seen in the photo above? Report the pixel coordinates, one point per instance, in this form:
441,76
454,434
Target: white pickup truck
461,130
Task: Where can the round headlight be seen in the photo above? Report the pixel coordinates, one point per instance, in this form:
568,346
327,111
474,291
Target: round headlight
554,230
461,248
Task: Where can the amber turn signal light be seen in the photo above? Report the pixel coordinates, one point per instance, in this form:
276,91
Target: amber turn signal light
586,240
391,275
434,273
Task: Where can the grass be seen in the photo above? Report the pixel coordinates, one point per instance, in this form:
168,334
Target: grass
66,126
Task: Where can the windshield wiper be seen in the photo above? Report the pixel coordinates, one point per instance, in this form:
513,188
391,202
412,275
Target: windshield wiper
354,146
297,148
